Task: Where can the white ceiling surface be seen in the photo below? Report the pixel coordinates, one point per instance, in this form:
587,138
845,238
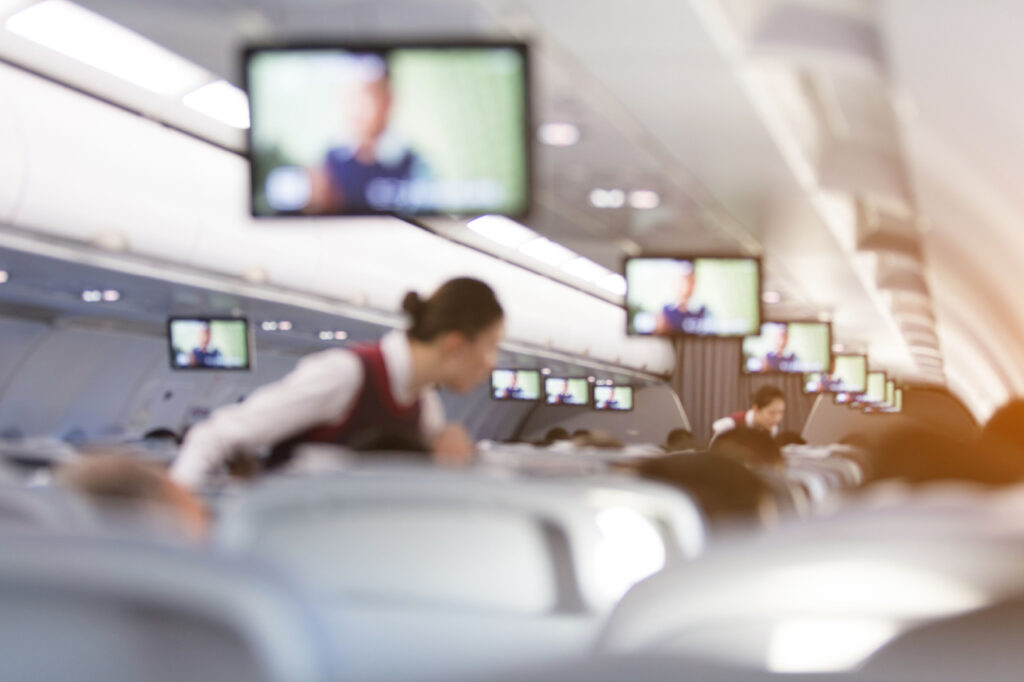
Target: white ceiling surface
958,66
662,104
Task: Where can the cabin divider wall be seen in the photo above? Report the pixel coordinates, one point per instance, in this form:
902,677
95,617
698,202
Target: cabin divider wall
710,383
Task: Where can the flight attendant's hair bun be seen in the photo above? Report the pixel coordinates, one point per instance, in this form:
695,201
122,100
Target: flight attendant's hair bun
412,304
462,305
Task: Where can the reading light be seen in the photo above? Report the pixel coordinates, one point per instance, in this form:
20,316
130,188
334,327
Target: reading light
222,101
326,336
546,371
503,230
644,199
558,134
78,33
340,336
92,295
547,251
269,326
607,198
284,326
111,295
4,277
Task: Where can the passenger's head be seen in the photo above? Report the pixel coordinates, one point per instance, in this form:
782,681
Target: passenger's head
915,454
754,447
136,493
462,324
1005,428
679,440
769,406
555,434
725,490
368,98
789,438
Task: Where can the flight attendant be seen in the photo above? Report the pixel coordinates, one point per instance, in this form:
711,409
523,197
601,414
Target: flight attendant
356,396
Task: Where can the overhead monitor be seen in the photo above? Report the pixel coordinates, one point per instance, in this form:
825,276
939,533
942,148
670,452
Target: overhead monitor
560,391
897,401
413,129
208,343
849,377
610,397
875,393
515,384
789,347
693,295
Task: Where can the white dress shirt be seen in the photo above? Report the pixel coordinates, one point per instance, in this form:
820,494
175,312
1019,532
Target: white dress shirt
322,388
728,424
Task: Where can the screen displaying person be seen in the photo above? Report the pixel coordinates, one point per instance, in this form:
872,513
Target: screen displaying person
204,354
680,315
373,170
777,359
513,391
564,396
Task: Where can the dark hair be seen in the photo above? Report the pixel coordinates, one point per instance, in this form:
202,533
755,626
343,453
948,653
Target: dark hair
1005,428
463,305
557,433
790,438
764,396
750,446
679,440
724,489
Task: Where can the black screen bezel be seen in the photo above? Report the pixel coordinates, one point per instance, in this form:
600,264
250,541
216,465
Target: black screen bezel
743,363
694,257
249,345
524,48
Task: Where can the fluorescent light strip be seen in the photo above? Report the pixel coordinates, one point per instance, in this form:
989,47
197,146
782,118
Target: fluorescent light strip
76,32
547,251
502,230
615,283
222,101
585,269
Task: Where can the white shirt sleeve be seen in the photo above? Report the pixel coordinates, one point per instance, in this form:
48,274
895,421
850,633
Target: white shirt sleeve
321,388
432,419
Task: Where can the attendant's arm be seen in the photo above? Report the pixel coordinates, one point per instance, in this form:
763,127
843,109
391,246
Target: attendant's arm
321,388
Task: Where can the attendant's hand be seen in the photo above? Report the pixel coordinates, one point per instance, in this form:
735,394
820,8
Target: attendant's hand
453,446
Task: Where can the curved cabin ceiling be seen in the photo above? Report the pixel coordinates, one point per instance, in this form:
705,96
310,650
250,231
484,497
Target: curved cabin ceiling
874,171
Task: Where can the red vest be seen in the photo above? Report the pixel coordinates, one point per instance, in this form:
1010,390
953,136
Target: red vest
740,418
375,421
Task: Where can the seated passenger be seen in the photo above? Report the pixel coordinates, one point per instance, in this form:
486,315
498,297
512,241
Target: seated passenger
680,440
135,495
919,455
340,395
725,490
766,413
789,438
752,447
1005,429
